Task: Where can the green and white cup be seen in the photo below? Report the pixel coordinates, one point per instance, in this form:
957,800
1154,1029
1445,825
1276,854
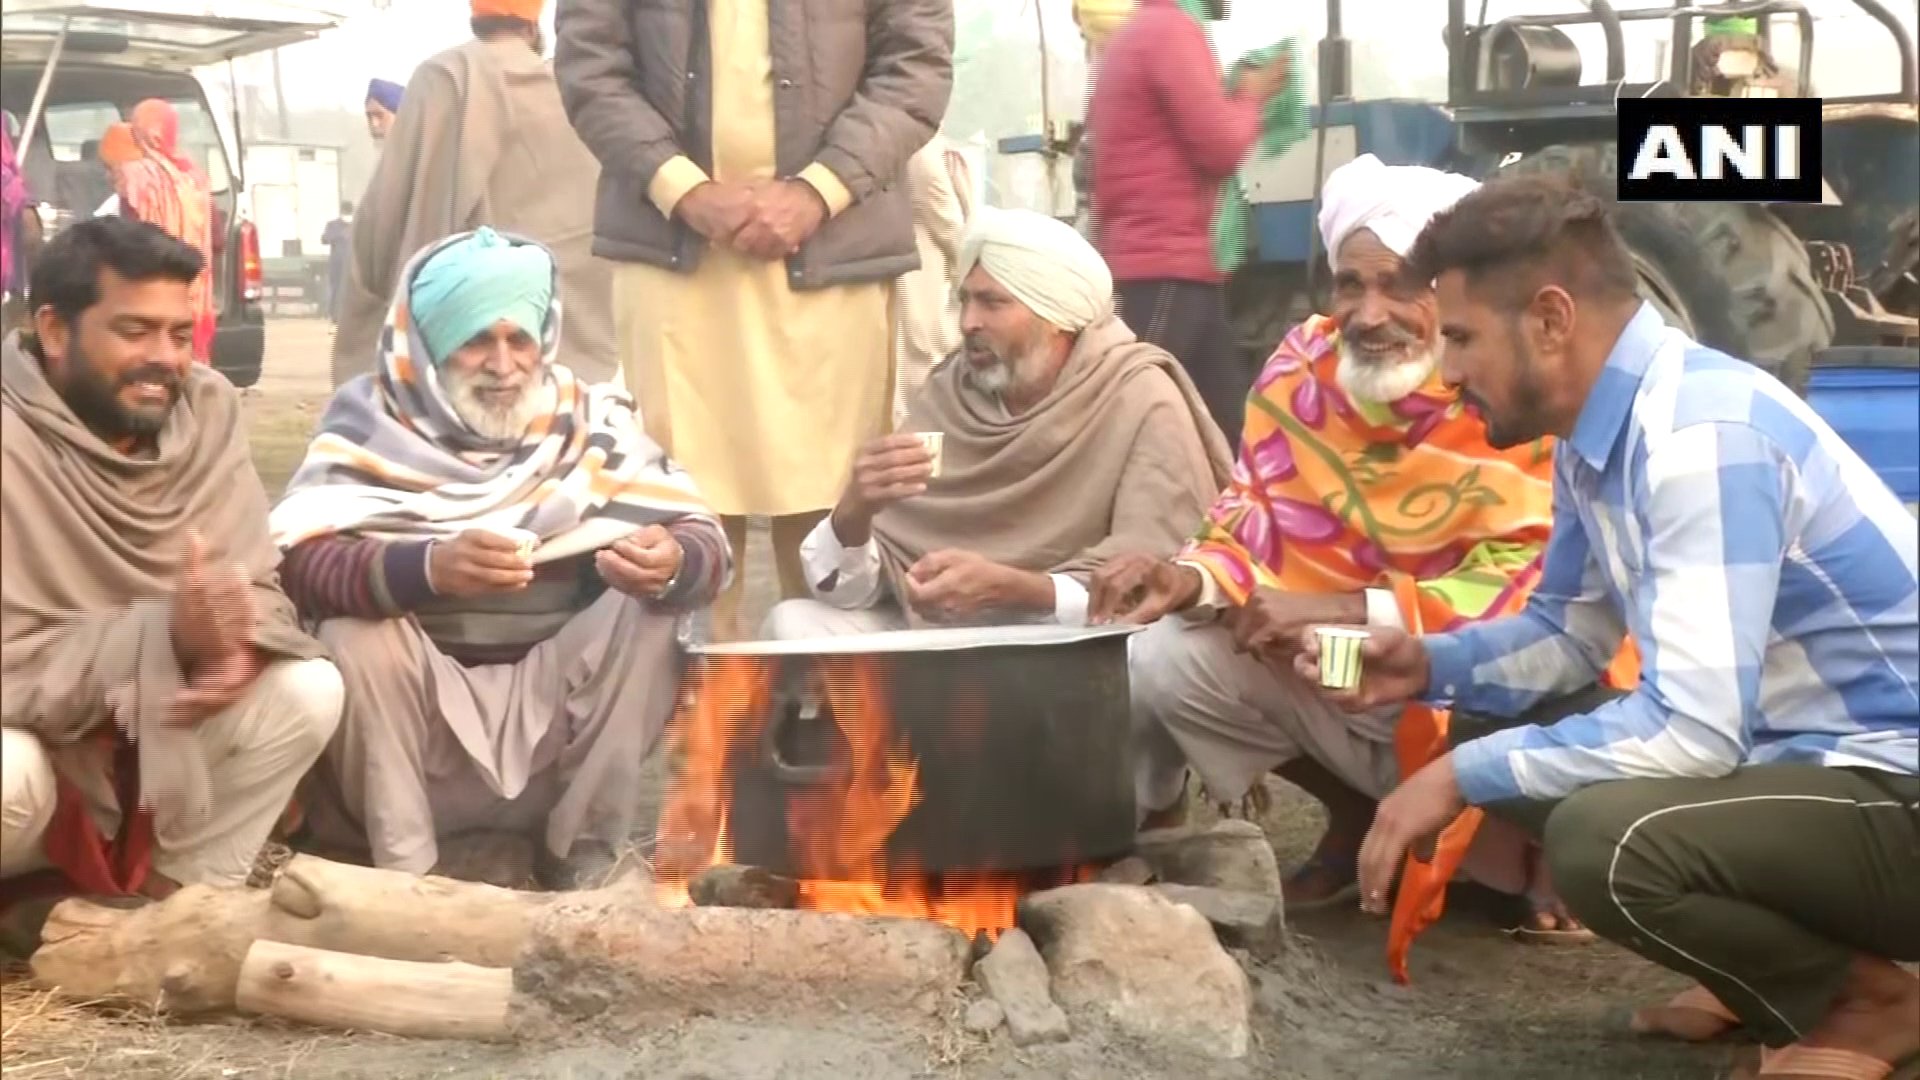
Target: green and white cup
1340,655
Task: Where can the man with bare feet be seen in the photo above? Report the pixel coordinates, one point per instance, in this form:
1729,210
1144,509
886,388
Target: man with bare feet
1749,814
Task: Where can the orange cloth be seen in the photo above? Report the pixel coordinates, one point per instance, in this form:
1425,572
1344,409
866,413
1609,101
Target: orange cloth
1329,499
165,188
117,147
524,10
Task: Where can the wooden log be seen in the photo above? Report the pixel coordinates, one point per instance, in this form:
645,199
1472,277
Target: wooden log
182,954
385,913
366,993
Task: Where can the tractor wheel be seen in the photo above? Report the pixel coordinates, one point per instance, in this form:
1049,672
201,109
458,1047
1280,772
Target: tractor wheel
1265,304
1731,275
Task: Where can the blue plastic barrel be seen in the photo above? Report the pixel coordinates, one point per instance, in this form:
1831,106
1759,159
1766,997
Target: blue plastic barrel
1877,411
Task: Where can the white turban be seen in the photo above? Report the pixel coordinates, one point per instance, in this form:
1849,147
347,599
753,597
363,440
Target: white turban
1394,202
1044,263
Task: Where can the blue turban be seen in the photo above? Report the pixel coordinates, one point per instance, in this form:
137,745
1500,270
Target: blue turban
475,282
386,93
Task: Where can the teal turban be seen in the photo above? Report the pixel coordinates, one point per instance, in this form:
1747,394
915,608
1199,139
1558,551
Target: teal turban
475,282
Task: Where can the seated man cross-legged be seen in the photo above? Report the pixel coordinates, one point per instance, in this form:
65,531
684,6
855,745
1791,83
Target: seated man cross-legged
1063,441
1364,494
1749,813
161,701
497,556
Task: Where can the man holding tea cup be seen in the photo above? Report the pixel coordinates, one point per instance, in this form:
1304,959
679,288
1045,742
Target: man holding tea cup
1061,440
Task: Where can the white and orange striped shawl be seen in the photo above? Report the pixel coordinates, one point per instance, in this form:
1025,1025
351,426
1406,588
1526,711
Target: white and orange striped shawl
393,459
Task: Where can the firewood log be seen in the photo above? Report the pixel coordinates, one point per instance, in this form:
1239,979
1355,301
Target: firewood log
184,953
358,909
366,993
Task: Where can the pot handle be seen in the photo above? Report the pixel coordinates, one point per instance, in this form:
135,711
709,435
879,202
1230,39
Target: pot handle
791,705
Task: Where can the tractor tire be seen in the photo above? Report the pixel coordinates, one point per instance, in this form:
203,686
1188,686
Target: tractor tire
1731,275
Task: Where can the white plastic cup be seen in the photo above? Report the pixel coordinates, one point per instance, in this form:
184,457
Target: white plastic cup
525,539
932,441
1340,655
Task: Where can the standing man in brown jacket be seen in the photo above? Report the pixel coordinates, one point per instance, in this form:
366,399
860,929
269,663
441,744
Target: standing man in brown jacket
480,139
753,156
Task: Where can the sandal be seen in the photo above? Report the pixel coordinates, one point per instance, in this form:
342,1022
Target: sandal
1826,1063
1526,932
1692,1015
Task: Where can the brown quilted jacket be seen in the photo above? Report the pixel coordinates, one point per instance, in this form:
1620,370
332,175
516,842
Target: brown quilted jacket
860,85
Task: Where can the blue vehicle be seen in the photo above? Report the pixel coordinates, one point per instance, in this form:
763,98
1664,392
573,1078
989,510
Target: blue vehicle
1824,296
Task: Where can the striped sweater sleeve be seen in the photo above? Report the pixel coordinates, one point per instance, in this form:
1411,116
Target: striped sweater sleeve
356,577
707,563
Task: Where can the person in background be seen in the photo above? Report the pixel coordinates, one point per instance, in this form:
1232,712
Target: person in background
14,200
490,684
1166,135
754,195
165,188
483,140
1748,814
338,236
85,184
383,104
926,303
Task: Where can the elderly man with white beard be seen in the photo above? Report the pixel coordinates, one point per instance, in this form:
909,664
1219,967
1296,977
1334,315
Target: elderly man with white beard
1363,495
1063,441
496,555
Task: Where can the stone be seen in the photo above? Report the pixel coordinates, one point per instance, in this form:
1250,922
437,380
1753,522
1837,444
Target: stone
1231,854
1017,978
983,1017
727,885
1132,960
1244,920
615,963
1132,870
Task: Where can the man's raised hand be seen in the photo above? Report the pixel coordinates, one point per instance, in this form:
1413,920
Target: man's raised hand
213,613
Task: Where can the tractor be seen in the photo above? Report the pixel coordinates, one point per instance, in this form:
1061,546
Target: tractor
1826,296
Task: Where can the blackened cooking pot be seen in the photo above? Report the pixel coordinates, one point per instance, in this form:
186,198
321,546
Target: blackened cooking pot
1019,735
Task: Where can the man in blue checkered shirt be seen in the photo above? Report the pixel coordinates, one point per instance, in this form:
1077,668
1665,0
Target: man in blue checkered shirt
1749,815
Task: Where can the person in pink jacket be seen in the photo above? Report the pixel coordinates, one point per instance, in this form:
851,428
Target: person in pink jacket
1166,134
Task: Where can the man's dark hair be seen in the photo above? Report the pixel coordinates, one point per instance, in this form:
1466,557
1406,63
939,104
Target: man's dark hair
488,27
66,275
1515,235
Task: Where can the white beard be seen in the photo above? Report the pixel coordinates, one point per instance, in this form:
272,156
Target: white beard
1385,382
497,423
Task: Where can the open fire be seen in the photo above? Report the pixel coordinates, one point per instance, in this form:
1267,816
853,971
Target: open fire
839,814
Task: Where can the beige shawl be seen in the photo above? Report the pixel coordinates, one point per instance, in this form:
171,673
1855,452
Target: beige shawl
1120,457
482,139
90,545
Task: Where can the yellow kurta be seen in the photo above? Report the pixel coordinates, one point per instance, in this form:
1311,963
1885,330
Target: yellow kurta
762,392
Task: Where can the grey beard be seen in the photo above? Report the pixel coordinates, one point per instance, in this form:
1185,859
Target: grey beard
498,423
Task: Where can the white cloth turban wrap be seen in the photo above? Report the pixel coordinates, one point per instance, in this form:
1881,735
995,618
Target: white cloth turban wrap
1044,263
1394,202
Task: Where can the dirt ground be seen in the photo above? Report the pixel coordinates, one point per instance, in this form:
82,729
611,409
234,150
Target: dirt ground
1479,1007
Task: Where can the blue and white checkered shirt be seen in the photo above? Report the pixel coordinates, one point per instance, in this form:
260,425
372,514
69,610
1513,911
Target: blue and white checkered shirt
1766,574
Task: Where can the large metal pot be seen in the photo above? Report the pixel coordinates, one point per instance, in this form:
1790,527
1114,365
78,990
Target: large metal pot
1019,735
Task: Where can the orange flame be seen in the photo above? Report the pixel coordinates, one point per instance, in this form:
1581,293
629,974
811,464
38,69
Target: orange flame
837,829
